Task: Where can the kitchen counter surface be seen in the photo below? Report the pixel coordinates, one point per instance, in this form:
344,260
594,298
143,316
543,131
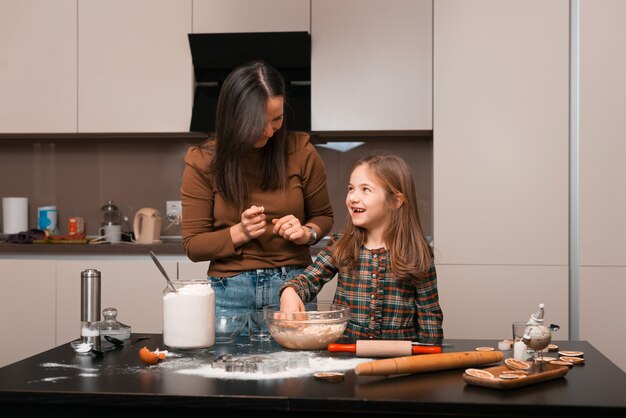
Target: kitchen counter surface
174,247
60,381
167,247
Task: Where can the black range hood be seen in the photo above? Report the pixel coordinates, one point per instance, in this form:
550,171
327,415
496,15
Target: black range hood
215,55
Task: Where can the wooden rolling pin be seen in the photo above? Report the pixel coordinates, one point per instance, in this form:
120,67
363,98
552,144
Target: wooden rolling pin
384,348
433,362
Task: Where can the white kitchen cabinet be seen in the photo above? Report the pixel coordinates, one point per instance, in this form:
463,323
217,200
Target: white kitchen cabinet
483,301
602,310
189,270
224,16
27,308
134,287
602,127
134,66
371,65
38,60
602,238
501,132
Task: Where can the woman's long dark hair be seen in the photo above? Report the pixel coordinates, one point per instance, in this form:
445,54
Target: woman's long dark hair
239,123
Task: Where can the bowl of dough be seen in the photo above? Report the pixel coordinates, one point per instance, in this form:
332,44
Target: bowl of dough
321,324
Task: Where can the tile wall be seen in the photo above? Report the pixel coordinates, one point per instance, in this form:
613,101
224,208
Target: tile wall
79,176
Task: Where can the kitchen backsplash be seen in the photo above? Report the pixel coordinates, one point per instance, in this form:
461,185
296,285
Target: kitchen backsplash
80,176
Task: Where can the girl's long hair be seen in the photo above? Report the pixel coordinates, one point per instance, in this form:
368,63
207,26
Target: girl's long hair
410,254
239,123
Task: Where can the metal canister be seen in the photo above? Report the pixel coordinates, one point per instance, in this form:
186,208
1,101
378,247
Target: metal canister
90,306
76,227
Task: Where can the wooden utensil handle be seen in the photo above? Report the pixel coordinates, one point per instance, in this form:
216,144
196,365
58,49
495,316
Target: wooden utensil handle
433,362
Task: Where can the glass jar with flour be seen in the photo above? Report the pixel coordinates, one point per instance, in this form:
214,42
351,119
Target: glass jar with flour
189,315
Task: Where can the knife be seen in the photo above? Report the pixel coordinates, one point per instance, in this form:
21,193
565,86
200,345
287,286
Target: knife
443,345
117,343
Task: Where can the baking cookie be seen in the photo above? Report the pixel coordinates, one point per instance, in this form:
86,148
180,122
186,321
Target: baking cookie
479,373
329,376
516,364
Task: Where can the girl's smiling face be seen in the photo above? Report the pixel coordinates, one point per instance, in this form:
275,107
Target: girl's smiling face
367,200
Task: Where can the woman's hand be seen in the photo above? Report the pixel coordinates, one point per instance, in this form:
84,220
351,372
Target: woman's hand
290,228
252,225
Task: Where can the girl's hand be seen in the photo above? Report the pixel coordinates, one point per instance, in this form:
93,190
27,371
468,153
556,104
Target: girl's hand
252,225
289,228
290,302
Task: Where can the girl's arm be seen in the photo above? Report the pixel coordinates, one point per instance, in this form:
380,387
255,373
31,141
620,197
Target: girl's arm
429,314
309,283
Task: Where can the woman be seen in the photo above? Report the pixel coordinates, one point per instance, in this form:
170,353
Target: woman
254,196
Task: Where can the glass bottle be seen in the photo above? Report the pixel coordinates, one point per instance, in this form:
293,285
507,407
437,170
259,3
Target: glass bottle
112,327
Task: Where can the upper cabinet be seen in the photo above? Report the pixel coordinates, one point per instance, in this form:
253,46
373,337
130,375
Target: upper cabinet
371,65
223,16
38,66
134,66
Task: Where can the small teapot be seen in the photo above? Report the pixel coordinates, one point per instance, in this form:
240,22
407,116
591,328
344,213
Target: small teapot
537,335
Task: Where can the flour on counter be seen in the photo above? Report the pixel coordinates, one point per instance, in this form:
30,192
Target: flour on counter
49,379
68,366
316,364
83,372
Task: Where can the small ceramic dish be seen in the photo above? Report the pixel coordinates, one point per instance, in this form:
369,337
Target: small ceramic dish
81,347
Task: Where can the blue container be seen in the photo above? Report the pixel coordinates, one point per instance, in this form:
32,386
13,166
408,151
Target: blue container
47,219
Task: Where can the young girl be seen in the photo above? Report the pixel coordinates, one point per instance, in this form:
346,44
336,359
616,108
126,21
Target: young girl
385,267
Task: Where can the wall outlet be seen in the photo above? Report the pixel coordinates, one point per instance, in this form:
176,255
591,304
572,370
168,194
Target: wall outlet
174,210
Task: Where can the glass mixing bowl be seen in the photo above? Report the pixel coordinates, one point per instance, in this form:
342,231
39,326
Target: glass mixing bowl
228,326
321,324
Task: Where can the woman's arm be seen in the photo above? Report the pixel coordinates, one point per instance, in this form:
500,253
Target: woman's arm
201,241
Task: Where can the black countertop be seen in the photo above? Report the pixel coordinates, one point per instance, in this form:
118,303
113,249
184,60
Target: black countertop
60,381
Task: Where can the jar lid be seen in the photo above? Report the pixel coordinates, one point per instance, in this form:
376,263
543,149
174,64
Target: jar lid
110,320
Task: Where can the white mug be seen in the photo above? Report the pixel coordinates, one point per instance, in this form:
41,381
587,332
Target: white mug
111,233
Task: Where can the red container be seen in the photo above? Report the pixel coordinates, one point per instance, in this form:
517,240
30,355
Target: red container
76,227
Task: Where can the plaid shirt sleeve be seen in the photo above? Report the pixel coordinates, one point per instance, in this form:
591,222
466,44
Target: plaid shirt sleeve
309,283
429,313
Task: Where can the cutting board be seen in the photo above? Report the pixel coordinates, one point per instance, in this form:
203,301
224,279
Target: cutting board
60,241
549,372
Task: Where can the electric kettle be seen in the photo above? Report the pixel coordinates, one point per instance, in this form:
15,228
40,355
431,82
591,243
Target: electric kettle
147,226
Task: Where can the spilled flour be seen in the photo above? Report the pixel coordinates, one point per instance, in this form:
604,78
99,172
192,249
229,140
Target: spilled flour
84,372
68,366
315,364
263,366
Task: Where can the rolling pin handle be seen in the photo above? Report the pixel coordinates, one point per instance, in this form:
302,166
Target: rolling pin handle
346,348
423,349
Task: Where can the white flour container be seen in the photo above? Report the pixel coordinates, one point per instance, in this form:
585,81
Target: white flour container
189,315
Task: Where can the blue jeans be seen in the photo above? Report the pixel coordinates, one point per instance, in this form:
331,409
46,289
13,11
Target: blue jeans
251,290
